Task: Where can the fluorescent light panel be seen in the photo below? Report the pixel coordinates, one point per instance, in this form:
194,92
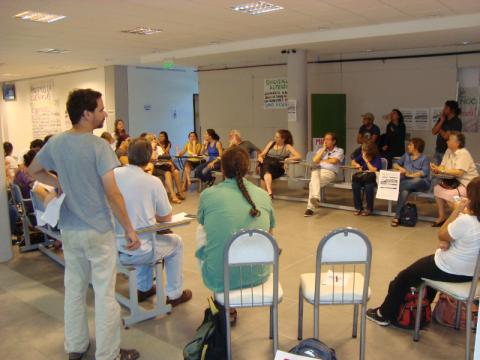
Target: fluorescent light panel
52,51
257,8
39,16
142,30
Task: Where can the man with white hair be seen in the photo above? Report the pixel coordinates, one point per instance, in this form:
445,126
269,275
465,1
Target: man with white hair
235,139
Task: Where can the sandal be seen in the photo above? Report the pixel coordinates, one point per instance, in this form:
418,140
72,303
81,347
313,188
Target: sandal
175,200
366,212
233,317
130,354
395,222
181,196
357,212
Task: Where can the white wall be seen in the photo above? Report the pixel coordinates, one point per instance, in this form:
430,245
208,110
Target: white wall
166,92
16,115
233,98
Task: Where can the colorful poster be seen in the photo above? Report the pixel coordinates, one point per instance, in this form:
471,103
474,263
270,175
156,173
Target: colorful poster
275,94
468,99
44,107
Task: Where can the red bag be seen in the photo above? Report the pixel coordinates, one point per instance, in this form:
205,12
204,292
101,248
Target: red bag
408,310
446,310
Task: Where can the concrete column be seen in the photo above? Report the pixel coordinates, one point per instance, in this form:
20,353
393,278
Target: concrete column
116,94
5,239
297,90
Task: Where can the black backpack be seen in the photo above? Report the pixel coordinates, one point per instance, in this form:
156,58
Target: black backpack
314,349
209,342
409,215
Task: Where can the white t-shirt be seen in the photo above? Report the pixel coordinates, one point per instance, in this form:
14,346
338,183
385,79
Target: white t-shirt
12,165
144,197
461,257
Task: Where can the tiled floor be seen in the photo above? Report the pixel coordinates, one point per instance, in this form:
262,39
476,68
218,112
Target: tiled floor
31,295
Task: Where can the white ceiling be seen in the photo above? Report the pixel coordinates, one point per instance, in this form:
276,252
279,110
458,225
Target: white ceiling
327,28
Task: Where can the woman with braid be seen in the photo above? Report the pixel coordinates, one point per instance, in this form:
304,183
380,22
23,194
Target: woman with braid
226,208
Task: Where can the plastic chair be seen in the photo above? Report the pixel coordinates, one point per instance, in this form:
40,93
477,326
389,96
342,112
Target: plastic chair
137,312
341,247
465,292
248,248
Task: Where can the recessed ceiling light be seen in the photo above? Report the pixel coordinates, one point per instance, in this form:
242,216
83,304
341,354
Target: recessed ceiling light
38,16
466,42
368,51
53,51
142,30
257,8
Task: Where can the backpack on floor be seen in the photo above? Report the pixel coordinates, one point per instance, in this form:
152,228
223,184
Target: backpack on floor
314,349
445,312
408,310
409,215
210,339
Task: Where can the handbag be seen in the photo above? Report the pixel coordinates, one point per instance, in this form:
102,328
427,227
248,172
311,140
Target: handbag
450,184
210,339
315,349
364,177
409,215
445,312
407,312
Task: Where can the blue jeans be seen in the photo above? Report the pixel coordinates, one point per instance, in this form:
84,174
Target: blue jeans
406,187
204,173
369,194
437,158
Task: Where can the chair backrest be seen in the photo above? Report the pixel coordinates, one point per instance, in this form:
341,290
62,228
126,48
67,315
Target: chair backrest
384,163
248,248
309,157
343,246
476,274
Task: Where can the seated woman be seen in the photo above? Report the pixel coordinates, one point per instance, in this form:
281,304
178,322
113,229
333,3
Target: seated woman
26,183
213,147
226,208
164,163
394,137
122,151
458,163
415,174
274,157
109,139
119,133
367,164
454,260
191,148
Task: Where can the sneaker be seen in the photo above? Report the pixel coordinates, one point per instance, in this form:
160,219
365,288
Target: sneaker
308,213
78,356
315,202
128,354
186,295
144,295
374,315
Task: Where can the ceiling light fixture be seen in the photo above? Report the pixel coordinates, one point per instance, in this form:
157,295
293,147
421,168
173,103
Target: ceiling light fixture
368,51
38,16
52,51
257,8
466,42
142,30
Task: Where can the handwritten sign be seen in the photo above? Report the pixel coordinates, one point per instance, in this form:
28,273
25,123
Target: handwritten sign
388,185
275,94
44,107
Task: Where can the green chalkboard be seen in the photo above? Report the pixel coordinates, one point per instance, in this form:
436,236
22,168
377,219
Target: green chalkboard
329,114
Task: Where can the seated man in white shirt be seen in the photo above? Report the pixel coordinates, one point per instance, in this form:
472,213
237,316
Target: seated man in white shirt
147,203
328,158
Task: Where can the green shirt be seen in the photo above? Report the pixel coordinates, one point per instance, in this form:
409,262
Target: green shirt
223,211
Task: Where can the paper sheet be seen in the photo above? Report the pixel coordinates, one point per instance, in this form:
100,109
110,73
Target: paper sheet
388,185
339,279
52,212
282,355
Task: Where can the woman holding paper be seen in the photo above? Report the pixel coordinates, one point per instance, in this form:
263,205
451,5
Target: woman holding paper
415,171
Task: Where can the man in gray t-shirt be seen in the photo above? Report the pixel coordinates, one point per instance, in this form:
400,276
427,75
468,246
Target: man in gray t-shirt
235,139
84,164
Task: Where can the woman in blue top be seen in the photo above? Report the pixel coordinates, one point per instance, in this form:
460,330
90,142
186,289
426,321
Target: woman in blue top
414,168
367,163
213,148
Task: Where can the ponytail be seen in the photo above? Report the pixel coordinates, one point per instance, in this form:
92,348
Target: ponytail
254,212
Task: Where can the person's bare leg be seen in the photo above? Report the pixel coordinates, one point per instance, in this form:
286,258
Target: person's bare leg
169,186
186,176
267,178
441,209
176,177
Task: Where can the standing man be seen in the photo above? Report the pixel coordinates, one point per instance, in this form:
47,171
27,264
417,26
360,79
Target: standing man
368,132
448,121
328,159
84,164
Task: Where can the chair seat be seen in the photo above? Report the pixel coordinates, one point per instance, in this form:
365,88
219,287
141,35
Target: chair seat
334,294
248,297
458,290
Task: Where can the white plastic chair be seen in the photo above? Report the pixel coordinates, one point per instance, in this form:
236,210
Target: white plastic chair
465,292
341,247
137,312
249,248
